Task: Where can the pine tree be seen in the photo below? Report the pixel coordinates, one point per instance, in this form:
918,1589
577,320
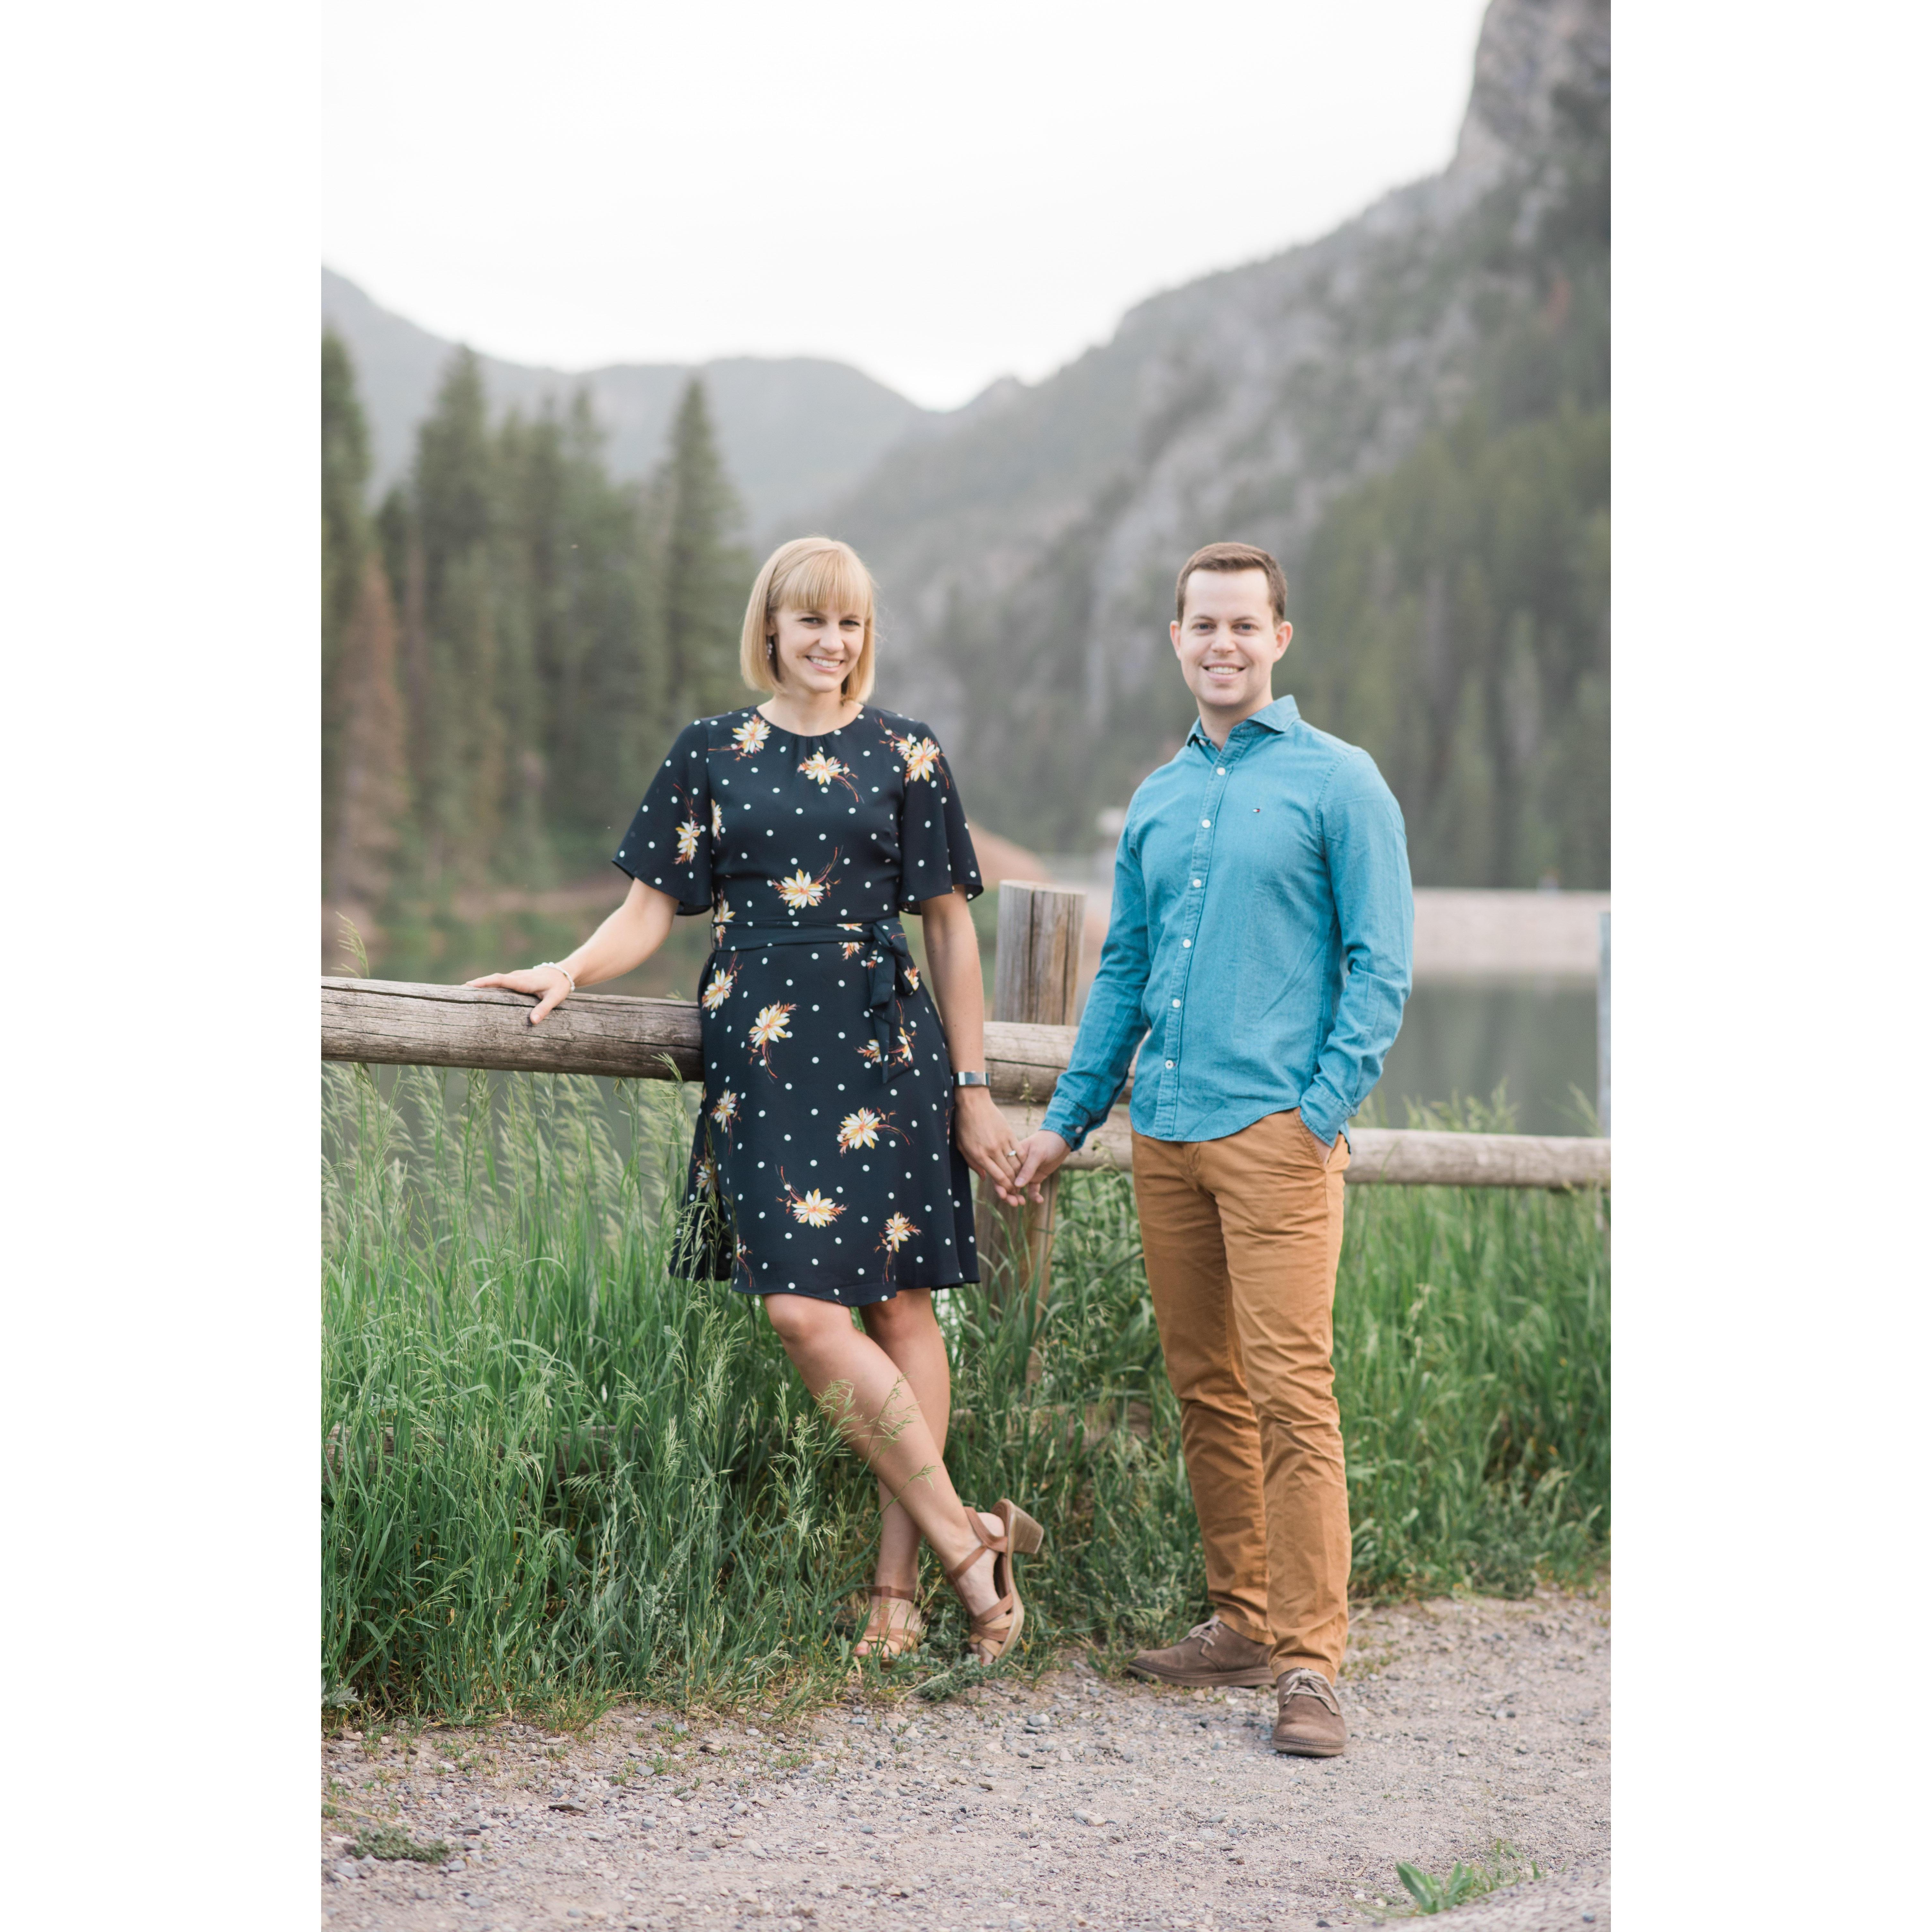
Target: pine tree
370,784
345,543
584,636
458,740
345,476
364,794
704,573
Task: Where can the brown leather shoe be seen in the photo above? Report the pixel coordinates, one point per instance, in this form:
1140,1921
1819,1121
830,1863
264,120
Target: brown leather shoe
1308,1716
1210,1653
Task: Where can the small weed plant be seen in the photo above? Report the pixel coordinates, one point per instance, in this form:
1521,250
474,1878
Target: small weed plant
1500,1868
552,1474
391,1841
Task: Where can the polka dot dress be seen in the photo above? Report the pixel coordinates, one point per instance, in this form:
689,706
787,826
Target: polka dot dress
823,1162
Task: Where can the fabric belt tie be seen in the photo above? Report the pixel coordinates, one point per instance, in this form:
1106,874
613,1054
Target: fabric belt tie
887,959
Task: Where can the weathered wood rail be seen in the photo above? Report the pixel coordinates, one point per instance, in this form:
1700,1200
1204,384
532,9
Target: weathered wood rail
399,1023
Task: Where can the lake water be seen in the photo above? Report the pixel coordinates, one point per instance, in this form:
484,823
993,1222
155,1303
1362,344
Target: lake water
1538,1040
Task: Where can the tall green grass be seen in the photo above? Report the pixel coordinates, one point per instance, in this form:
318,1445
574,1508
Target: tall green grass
549,1469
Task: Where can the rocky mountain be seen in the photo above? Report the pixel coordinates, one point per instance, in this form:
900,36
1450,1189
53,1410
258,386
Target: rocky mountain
1027,545
795,432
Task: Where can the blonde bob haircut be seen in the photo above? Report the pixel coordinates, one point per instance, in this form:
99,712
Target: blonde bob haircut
808,573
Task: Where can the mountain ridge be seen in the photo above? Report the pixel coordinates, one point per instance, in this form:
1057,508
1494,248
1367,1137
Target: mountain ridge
793,430
1027,551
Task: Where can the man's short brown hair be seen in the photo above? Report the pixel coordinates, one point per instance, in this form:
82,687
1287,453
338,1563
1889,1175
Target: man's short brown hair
1233,556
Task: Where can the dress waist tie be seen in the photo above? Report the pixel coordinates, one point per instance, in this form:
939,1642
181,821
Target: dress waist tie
886,956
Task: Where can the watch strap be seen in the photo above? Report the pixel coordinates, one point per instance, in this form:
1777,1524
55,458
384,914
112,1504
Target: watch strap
969,1079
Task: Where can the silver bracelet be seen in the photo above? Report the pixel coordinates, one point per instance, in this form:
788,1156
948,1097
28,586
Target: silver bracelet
557,966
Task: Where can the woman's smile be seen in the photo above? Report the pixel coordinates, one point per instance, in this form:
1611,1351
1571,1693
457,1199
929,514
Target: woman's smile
818,648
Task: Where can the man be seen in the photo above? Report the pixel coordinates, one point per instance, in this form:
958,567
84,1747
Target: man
1260,945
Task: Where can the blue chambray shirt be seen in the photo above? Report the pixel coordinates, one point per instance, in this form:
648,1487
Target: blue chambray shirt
1259,943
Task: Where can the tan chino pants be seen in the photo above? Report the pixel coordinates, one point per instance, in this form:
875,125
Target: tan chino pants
1242,1237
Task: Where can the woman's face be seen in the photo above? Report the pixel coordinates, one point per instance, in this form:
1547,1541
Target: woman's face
818,648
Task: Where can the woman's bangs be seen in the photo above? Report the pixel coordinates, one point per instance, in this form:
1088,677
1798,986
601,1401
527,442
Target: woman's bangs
826,580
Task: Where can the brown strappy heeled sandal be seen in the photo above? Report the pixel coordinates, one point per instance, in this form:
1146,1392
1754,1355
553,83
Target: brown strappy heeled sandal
995,1631
894,1640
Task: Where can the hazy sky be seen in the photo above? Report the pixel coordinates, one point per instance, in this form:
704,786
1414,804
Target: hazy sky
940,194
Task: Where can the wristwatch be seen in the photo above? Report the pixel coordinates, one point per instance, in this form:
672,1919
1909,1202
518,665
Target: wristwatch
969,1079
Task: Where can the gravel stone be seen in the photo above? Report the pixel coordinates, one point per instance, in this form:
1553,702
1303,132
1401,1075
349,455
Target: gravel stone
1077,1802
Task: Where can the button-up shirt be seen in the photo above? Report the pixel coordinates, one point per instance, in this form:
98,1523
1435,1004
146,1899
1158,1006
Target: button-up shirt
1259,942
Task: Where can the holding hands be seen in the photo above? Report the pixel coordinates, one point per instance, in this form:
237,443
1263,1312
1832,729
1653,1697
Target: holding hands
1039,1154
980,1132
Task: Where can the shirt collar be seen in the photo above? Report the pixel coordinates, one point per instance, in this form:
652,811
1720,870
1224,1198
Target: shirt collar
1276,717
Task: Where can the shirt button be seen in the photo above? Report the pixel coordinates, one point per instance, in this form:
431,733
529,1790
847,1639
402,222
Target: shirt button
1187,942
1220,771
1205,821
1170,1062
1177,1003
1197,882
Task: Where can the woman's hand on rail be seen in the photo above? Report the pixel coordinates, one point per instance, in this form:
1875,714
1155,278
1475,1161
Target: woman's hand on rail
622,943
547,985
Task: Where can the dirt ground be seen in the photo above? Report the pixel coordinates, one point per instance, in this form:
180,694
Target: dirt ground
1078,1801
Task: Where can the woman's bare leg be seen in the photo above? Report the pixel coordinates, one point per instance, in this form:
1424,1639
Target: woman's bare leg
908,1331
878,1411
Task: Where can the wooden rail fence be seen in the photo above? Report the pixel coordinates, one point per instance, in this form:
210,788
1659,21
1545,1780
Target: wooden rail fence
398,1023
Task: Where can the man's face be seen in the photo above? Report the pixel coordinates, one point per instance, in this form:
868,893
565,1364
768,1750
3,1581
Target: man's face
1227,641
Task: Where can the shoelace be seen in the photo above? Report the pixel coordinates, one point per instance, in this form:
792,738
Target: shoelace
1206,1632
1305,1683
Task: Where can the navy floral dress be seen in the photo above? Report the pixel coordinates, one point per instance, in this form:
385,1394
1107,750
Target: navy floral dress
824,1161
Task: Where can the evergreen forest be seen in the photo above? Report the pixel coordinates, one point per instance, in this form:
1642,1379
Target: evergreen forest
509,638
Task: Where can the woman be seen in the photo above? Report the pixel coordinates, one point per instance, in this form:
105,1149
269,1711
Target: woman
829,1171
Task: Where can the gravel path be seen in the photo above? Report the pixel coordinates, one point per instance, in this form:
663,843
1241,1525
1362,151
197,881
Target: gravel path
1079,1802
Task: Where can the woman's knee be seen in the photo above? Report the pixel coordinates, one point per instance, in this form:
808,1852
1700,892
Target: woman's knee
798,1318
907,1314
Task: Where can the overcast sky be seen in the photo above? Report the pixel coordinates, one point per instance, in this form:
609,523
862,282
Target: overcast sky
940,194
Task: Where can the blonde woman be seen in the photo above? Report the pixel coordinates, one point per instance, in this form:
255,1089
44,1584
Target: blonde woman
841,1110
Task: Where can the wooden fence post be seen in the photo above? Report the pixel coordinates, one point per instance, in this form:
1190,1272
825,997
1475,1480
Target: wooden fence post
1036,975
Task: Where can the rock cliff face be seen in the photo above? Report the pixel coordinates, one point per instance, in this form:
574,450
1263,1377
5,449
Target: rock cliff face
1027,546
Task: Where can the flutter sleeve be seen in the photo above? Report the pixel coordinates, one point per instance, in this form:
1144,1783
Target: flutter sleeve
669,845
935,849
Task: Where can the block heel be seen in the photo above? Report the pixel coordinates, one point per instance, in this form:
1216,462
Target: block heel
995,1631
1027,1537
